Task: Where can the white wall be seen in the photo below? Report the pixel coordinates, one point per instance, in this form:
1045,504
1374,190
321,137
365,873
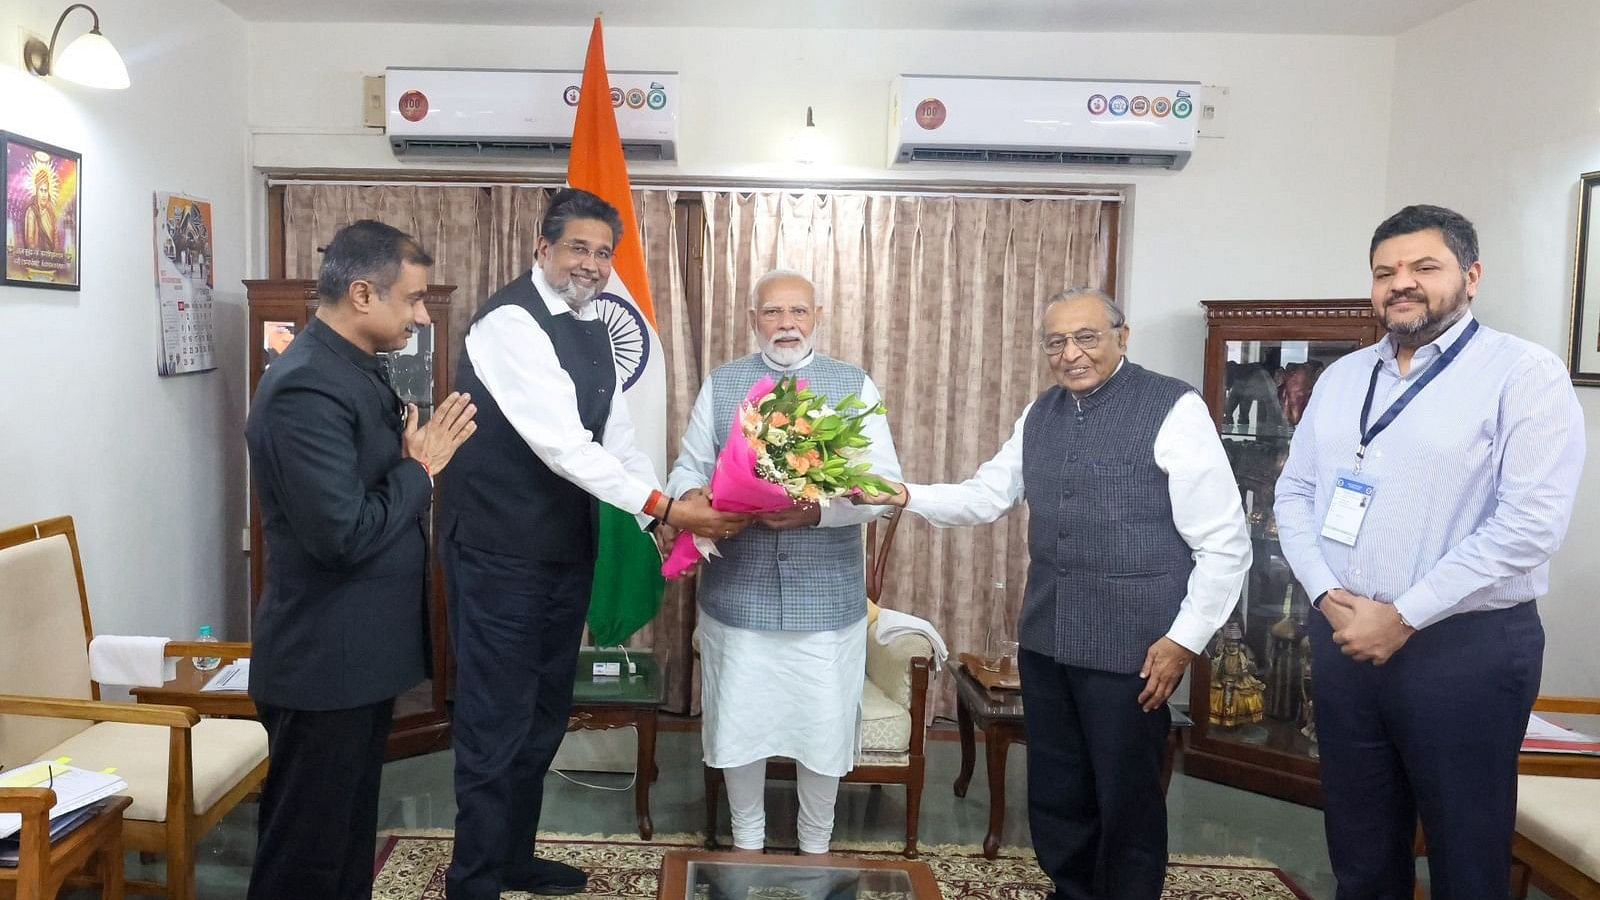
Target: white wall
152,468
1298,180
1496,114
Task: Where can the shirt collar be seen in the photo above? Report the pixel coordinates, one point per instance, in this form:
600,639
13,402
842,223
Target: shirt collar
558,306
804,361
1427,352
336,342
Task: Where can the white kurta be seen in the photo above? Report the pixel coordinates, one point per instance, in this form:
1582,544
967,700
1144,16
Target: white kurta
782,693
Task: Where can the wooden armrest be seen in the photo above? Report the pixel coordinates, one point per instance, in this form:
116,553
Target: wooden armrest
99,711
27,801
224,650
1579,706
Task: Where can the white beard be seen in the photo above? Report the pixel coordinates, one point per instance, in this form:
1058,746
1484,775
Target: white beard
787,356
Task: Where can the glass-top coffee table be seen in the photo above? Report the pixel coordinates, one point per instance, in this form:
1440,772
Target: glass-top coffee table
702,875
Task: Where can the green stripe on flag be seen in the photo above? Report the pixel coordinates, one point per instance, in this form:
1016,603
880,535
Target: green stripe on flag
627,579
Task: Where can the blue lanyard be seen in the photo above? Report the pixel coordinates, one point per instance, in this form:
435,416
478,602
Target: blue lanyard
1393,412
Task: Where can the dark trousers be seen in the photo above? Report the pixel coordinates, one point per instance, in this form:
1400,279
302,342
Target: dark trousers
515,625
317,827
1435,731
1095,804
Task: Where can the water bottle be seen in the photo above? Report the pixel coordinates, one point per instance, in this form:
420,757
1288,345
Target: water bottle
206,663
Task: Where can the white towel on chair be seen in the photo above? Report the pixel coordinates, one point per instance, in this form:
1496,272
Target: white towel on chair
893,624
131,660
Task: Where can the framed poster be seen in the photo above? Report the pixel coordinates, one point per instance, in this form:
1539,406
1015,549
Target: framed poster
1583,358
42,221
184,281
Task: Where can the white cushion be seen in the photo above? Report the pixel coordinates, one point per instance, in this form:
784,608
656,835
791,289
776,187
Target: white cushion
1562,815
43,651
224,752
885,725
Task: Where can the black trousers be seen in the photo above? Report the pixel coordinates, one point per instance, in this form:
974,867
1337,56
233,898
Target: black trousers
1435,731
1095,804
317,828
515,625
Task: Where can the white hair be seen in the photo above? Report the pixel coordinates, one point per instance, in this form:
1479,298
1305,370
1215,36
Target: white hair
1113,308
778,275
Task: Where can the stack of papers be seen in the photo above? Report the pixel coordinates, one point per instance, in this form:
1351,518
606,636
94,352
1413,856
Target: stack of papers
60,827
235,676
75,788
1545,736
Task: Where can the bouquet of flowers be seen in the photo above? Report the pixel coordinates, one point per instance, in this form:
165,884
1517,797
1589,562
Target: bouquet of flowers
787,445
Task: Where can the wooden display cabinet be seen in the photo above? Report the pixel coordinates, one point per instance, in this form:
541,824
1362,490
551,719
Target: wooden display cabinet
1262,360
422,373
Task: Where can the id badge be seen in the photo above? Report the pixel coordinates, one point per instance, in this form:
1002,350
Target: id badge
1352,497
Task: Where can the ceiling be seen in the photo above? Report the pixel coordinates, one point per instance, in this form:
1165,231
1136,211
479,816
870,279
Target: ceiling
1371,17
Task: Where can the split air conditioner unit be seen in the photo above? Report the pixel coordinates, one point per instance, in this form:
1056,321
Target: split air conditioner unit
1043,122
521,113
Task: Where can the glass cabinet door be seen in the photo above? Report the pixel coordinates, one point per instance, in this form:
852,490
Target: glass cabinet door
1260,678
411,372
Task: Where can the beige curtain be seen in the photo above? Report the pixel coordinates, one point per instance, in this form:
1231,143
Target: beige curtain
939,299
453,224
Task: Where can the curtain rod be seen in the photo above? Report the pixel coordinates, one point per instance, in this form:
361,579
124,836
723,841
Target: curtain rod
893,189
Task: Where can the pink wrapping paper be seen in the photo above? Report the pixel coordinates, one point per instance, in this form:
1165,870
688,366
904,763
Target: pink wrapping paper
735,487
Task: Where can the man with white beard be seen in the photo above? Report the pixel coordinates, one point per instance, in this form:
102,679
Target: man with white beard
519,520
783,630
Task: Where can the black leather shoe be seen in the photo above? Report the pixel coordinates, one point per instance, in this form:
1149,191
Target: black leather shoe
545,877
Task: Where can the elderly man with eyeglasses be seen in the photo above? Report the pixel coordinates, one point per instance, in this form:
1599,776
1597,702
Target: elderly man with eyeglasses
1138,549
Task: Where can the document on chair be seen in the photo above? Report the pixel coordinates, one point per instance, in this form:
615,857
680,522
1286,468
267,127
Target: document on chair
235,676
75,788
1545,736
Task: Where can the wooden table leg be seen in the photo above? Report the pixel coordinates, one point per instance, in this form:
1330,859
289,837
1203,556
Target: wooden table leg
111,874
995,745
968,749
645,772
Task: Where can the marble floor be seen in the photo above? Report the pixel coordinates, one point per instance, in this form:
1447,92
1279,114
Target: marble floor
1205,818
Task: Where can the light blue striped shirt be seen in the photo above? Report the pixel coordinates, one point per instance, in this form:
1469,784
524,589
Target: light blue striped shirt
1475,479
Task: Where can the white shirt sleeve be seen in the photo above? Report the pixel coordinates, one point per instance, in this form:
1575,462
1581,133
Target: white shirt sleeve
515,360
885,463
697,450
985,497
1208,514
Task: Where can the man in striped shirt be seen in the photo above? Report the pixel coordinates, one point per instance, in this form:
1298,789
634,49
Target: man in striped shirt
1427,486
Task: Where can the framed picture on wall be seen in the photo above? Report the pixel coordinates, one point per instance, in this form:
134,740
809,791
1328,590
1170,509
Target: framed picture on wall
42,220
1584,355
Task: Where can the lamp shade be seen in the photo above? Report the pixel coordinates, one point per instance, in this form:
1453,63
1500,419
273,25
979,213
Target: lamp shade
91,61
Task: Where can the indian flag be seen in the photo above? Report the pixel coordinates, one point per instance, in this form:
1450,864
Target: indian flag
627,574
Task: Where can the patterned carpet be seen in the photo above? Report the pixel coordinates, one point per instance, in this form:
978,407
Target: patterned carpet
412,867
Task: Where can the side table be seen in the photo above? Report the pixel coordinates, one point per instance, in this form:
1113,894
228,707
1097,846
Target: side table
46,866
619,701
185,690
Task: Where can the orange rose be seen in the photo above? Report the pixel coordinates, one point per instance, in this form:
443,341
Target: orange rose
802,427
799,464
777,420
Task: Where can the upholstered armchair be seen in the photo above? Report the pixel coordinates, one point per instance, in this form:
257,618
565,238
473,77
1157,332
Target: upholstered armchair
184,773
1557,841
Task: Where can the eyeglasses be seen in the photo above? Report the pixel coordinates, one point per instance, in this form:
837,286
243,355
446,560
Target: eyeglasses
774,313
582,251
1086,340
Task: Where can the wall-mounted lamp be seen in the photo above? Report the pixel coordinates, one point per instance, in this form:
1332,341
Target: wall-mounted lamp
808,144
90,60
